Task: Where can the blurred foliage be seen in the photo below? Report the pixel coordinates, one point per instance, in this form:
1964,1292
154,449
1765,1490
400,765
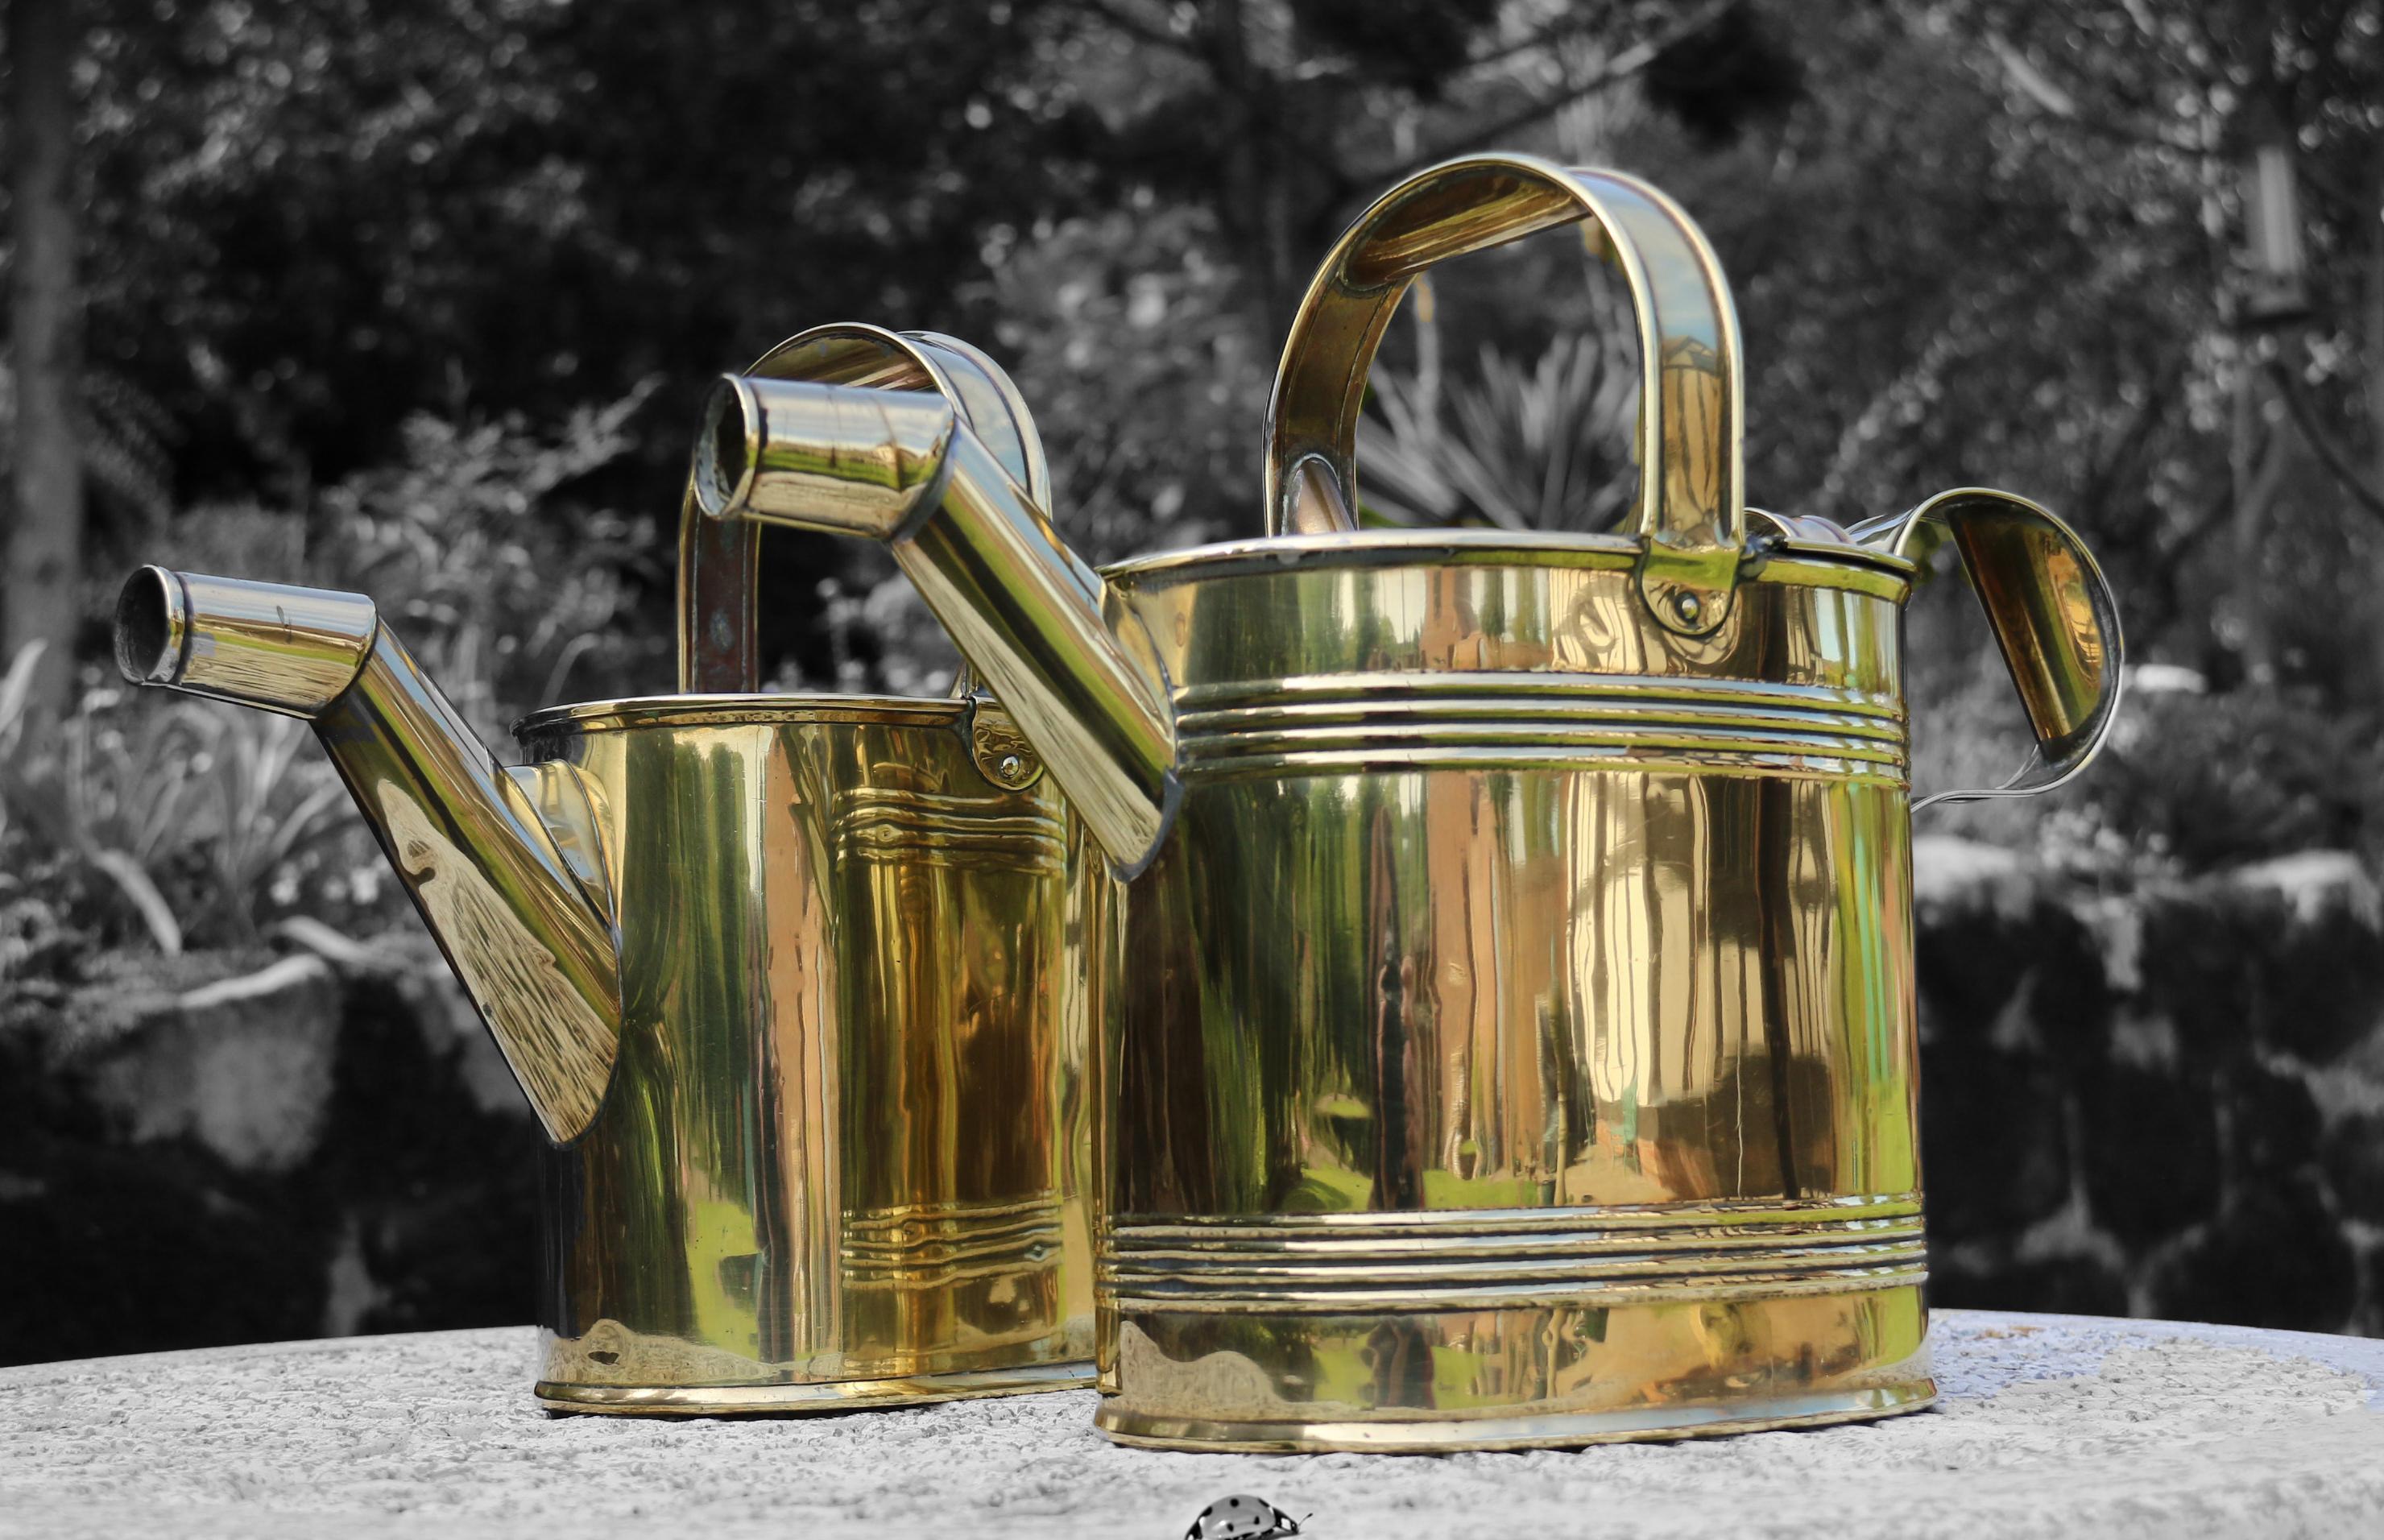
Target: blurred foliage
190,818
503,590
168,824
1135,306
2212,781
127,437
311,218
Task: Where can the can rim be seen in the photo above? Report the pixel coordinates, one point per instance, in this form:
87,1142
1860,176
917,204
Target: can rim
1537,548
628,712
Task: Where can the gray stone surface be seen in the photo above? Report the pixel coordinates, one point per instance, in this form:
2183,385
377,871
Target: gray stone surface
2050,1425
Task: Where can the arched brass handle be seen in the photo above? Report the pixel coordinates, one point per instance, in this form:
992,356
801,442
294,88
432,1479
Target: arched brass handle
716,558
1691,515
2052,618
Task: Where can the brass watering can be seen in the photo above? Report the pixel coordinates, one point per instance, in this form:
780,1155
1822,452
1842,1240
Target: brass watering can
1504,988
787,978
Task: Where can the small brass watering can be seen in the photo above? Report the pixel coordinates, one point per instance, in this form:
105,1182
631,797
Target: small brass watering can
1504,1017
787,978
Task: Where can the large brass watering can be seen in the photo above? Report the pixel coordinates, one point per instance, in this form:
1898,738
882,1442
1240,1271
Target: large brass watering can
1505,988
787,978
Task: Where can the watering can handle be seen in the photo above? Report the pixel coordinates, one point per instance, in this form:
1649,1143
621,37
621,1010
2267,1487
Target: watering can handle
718,557
2052,618
1691,506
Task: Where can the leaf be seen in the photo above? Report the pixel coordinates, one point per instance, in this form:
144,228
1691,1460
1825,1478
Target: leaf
17,685
300,822
1543,448
134,881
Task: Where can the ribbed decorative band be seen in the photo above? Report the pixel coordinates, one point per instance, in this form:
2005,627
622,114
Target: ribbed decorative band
927,1245
930,828
1479,1259
1330,723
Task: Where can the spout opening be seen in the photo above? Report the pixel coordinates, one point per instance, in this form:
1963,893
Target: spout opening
152,628
726,449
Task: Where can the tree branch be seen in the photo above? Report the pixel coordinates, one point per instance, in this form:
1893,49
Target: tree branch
2298,406
1579,21
1143,31
2057,102
1630,62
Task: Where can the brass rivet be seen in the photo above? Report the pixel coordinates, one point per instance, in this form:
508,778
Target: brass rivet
1010,766
1686,606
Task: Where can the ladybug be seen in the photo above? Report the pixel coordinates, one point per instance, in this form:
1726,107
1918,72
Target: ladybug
1242,1518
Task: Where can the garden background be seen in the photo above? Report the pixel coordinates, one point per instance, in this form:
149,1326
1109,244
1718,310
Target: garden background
418,297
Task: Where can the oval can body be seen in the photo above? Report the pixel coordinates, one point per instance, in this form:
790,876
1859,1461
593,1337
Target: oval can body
1513,1043
840,1162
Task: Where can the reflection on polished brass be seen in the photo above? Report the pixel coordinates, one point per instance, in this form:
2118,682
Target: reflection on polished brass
1503,986
287,649
836,1167
853,461
1520,1014
1409,1380
789,980
663,1397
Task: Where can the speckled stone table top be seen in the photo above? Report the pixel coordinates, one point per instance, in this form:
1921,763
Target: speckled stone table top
2049,1425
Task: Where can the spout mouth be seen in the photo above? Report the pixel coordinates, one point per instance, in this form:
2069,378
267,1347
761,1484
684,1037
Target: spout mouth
153,630
272,645
727,448
834,459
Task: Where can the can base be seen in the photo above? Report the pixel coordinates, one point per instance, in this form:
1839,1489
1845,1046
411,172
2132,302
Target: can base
812,1398
1558,1431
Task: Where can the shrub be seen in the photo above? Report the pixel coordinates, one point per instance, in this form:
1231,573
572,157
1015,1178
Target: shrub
2216,780
184,821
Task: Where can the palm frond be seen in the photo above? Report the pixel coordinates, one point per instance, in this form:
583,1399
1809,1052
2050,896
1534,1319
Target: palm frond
1545,447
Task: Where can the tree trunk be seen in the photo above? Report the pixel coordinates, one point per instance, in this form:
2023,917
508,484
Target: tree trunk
2251,460
2373,682
2376,327
41,579
1254,201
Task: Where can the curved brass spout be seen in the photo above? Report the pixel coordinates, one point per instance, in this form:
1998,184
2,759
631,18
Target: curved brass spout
506,865
1077,673
2050,610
